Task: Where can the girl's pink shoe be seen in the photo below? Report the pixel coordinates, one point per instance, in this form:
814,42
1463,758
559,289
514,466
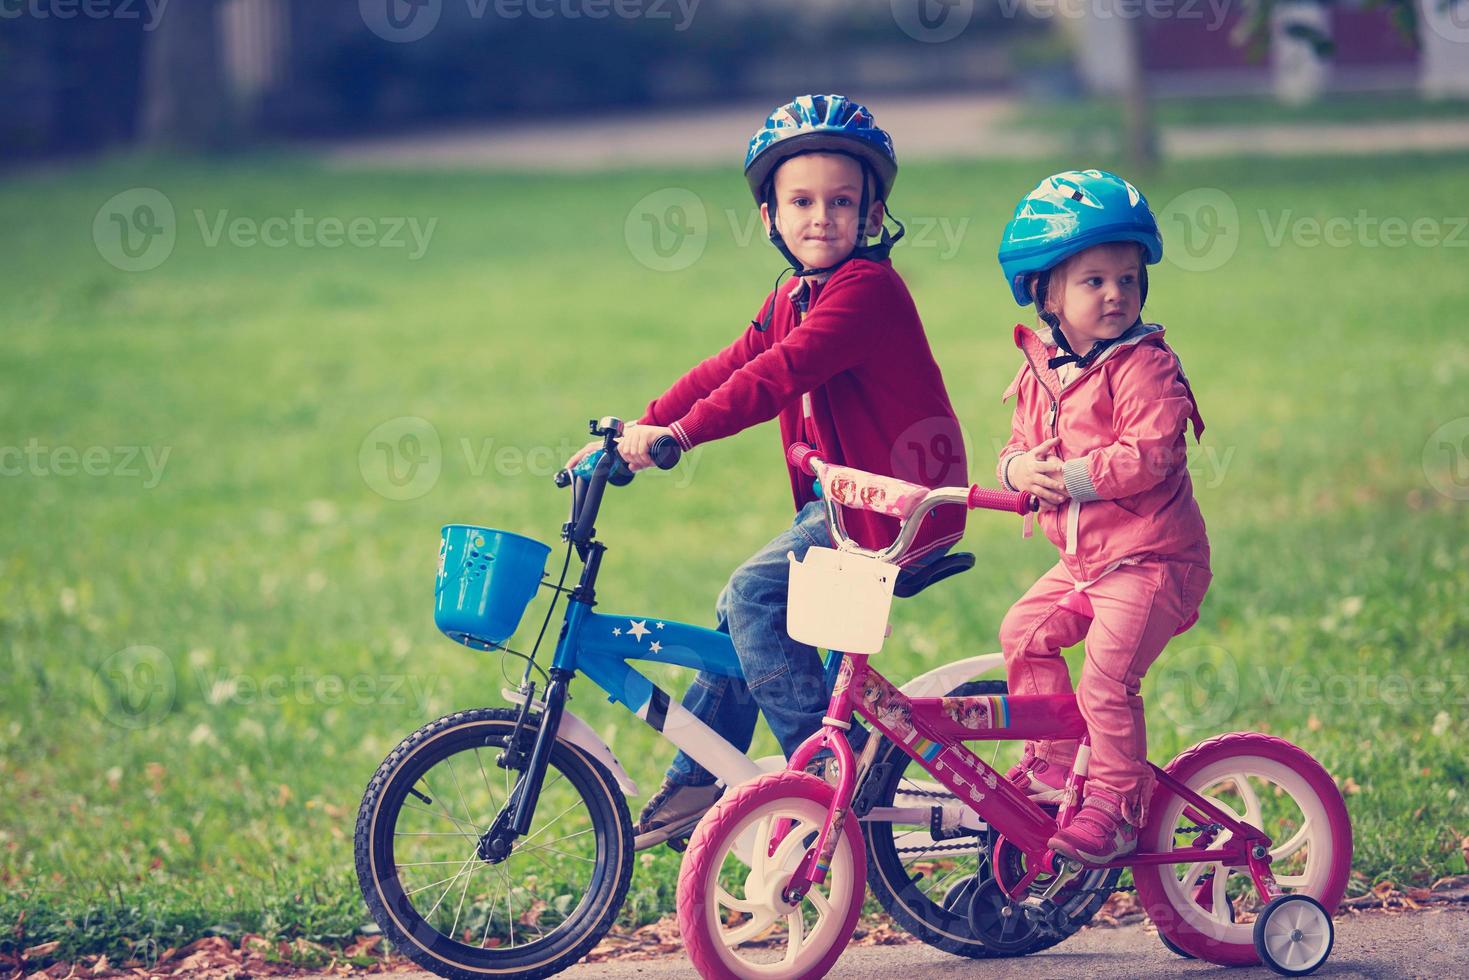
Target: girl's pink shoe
1037,778
1098,833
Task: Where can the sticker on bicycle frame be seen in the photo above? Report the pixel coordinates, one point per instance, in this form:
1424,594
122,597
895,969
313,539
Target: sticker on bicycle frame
844,678
886,705
979,713
964,775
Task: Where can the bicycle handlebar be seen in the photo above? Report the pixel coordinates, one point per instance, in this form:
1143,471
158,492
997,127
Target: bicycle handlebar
611,468
805,460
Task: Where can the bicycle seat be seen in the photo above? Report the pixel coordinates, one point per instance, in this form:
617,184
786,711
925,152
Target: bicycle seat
912,582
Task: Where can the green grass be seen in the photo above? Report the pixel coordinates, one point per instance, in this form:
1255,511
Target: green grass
290,601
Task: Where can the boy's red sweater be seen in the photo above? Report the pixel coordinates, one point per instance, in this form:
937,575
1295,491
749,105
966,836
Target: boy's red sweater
878,401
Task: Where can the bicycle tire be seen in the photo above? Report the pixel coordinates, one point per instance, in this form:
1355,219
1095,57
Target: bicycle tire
926,916
410,931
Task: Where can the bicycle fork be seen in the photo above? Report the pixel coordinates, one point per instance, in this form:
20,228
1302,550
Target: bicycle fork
816,863
514,818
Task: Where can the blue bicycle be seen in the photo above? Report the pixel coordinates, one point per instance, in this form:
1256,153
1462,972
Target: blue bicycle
498,842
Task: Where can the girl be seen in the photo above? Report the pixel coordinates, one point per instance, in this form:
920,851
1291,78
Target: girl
1098,435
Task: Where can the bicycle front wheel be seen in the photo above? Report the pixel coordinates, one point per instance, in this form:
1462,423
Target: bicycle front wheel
441,903
733,912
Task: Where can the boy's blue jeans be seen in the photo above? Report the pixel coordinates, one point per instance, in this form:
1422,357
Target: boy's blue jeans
783,678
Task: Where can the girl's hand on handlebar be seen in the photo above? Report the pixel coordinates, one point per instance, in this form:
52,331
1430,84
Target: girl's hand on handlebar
635,443
583,453
1039,472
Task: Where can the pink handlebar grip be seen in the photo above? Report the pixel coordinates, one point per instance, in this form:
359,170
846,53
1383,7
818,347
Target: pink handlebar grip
1015,503
800,456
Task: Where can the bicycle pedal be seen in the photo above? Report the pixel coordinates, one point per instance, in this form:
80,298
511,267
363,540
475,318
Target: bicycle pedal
678,844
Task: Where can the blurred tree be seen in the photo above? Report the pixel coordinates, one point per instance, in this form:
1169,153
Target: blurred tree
186,101
1299,20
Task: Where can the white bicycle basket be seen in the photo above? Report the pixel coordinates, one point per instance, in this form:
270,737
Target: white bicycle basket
840,601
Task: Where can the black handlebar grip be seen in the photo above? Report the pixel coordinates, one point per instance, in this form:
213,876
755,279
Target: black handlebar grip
563,478
619,475
665,452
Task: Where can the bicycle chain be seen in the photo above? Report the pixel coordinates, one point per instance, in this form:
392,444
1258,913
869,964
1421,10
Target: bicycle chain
1103,890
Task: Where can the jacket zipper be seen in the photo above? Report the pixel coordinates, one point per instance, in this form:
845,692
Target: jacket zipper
1055,399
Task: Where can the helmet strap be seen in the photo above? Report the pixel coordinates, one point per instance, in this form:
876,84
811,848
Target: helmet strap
1042,284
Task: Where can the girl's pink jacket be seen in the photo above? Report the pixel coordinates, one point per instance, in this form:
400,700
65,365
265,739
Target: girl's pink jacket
1121,423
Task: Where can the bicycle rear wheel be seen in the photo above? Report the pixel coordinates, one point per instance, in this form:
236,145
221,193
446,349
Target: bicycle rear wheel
1267,783
926,885
446,907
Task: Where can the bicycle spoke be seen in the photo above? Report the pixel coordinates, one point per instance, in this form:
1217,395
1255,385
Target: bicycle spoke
452,877
454,929
547,847
484,775
819,901
489,918
760,850
468,812
509,908
727,900
1297,841
430,913
424,779
1251,802
454,820
553,820
758,923
796,934
556,840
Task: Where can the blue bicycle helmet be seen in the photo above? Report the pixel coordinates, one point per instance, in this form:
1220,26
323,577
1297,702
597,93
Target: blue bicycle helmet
1065,214
823,124
812,123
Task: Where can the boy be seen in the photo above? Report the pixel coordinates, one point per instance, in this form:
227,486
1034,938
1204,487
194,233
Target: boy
840,357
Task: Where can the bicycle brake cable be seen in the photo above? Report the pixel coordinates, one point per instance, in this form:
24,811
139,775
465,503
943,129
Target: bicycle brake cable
530,661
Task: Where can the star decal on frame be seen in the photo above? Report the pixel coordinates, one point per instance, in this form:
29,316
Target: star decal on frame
617,631
659,625
655,647
638,629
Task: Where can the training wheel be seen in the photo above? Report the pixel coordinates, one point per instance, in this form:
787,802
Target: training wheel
1293,935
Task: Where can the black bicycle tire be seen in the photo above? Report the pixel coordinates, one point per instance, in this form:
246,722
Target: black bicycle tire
565,945
889,879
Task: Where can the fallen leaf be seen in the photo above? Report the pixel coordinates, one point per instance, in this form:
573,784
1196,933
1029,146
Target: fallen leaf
42,949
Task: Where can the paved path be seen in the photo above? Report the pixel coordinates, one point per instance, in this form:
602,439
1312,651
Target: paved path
968,126
1433,943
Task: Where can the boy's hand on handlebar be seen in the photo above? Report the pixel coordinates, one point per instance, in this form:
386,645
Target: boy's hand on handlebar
635,443
1039,472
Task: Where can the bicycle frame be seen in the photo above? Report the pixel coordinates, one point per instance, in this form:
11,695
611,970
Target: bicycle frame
600,646
932,732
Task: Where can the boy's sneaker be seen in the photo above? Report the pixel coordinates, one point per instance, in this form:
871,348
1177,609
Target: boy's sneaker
1098,833
1037,778
672,812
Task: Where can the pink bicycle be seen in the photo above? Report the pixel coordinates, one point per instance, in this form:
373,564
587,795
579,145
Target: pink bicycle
1241,825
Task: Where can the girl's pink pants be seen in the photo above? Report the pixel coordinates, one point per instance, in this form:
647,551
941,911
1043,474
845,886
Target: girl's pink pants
1135,610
